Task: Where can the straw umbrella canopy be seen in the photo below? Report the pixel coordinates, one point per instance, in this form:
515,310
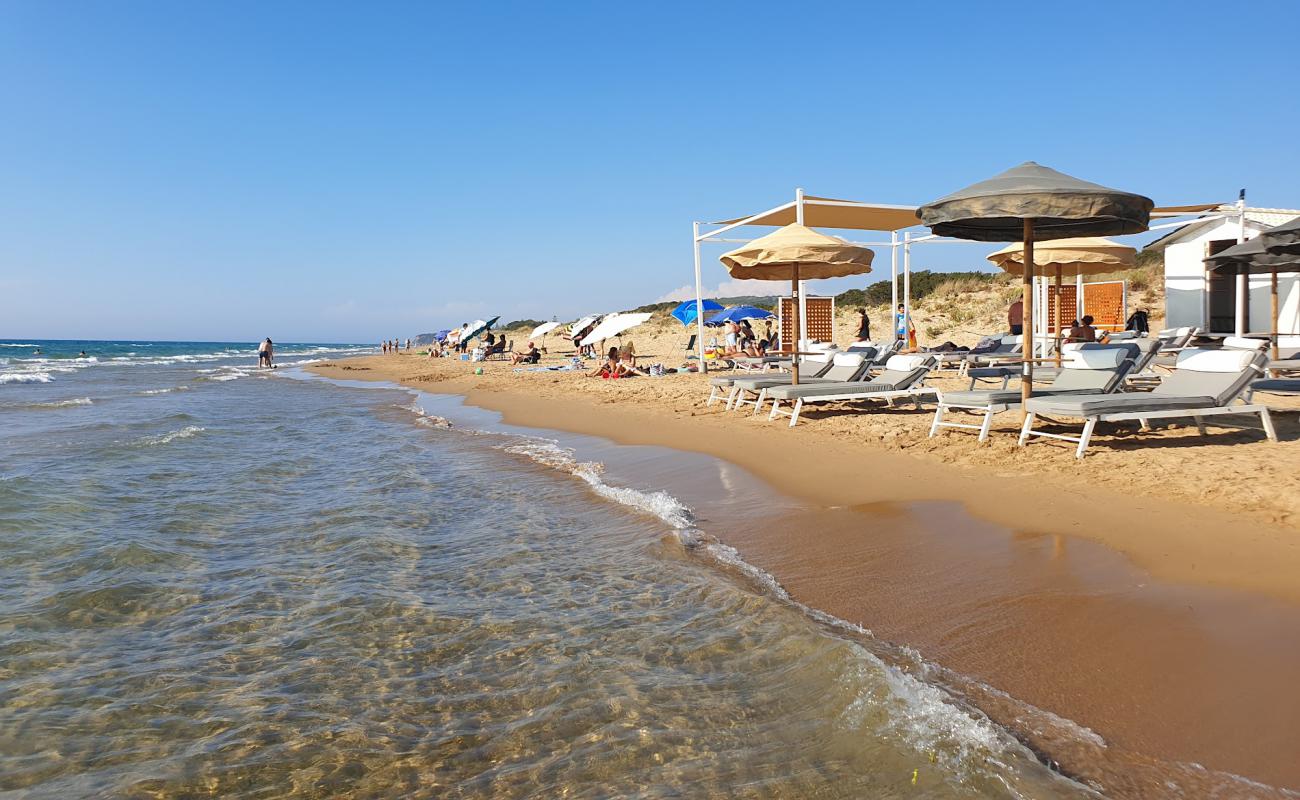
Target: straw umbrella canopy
1284,240
1253,258
1088,255
1032,202
797,253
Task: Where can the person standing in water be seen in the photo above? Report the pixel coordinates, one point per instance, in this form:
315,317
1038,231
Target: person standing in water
262,360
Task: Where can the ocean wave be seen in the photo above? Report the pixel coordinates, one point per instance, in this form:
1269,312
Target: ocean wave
165,391
78,401
223,378
183,433
26,377
548,452
12,344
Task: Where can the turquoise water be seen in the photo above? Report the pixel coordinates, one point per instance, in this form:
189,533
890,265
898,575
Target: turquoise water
218,581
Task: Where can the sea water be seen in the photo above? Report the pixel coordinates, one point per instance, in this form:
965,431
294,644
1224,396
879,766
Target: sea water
219,581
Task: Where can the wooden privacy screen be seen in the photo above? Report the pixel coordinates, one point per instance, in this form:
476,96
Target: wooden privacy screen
821,320
1104,302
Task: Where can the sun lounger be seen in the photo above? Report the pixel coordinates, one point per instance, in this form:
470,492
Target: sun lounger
904,377
809,366
1286,386
845,367
1088,369
1283,366
1204,383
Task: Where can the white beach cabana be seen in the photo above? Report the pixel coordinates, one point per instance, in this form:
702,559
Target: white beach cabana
896,219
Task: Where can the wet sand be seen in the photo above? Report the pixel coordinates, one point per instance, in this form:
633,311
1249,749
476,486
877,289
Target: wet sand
1172,631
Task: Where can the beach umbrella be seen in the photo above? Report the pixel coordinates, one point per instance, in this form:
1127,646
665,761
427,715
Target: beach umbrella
441,336
586,322
1032,202
1088,255
543,329
738,313
685,313
797,253
1254,258
614,325
477,327
1283,240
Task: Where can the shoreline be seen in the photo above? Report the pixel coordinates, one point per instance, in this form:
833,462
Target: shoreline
1111,646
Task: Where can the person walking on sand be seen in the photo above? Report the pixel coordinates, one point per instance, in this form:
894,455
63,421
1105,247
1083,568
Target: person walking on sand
1016,317
864,326
903,327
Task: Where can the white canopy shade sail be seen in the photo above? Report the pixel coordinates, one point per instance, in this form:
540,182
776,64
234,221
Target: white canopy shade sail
613,325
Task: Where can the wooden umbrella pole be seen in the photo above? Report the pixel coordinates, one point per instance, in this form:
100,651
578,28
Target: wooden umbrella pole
1057,315
1027,301
1273,299
794,329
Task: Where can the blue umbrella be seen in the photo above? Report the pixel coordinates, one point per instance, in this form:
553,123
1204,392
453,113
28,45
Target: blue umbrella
737,313
685,313
441,336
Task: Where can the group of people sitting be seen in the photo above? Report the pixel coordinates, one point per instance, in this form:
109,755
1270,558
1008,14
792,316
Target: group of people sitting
620,362
741,340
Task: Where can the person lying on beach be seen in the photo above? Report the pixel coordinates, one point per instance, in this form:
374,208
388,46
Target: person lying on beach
530,356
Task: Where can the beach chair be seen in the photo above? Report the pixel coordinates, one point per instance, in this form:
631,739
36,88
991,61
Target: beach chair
903,378
844,368
1088,369
1282,386
811,366
1009,349
1204,383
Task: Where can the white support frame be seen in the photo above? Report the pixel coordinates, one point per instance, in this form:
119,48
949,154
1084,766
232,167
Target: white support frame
1196,414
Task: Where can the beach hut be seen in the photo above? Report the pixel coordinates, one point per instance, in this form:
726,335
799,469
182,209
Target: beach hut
796,253
1073,258
1252,258
1032,202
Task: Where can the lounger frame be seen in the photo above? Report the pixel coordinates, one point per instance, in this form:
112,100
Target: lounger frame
1196,414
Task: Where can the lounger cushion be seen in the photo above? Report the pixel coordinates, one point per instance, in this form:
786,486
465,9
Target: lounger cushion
1094,358
905,363
1277,385
1242,343
1088,405
1010,340
1198,360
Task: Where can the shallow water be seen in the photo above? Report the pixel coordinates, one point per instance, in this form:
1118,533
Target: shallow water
266,587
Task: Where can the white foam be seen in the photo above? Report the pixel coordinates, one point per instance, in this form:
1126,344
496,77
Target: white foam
26,377
11,344
225,377
183,433
165,391
548,452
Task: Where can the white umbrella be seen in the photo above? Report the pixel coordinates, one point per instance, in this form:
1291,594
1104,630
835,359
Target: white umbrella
576,328
543,329
614,325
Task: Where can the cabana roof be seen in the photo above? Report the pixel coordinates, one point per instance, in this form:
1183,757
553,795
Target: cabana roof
827,212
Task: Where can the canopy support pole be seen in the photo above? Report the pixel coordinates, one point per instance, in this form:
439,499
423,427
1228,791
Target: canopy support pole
1273,299
794,327
803,289
1056,316
1243,284
1027,299
906,323
893,277
699,306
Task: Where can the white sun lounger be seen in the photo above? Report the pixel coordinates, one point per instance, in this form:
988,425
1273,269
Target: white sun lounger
1284,386
904,377
1088,369
813,365
845,367
1204,383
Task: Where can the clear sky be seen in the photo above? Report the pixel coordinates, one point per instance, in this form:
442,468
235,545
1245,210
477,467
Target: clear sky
350,172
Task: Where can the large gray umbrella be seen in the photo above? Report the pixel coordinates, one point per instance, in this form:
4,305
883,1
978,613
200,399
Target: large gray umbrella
1283,240
1254,258
1032,201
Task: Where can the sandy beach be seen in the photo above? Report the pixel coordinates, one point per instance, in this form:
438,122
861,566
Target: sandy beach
1115,574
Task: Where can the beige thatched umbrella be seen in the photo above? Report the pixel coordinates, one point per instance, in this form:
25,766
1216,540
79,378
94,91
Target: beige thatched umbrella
1031,201
1089,255
797,253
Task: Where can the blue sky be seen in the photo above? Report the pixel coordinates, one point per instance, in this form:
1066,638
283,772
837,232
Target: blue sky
321,171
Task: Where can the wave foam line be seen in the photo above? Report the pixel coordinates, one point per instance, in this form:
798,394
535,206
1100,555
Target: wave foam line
26,377
184,433
79,401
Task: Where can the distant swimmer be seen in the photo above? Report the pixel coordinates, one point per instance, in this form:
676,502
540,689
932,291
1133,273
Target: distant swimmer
82,354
